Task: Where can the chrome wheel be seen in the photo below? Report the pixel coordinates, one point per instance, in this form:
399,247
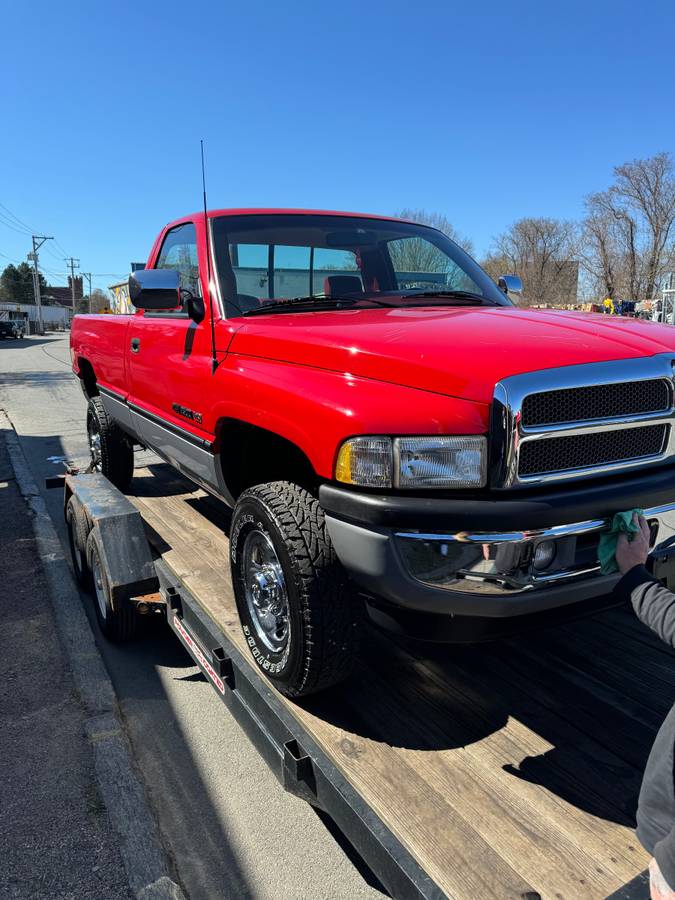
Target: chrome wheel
265,590
95,445
99,589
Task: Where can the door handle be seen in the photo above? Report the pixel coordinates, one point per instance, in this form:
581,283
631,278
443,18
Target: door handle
135,345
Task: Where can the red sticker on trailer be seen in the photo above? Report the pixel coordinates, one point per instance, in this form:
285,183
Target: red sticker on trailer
198,654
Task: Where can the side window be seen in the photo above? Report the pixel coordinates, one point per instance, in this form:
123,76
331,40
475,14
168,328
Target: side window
179,251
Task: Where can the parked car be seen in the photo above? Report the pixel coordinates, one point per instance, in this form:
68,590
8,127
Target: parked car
392,433
11,329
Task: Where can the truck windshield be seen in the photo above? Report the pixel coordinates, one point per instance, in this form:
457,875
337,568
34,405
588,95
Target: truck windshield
263,259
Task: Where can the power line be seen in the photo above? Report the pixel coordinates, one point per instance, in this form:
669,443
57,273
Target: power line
15,217
12,221
9,224
55,255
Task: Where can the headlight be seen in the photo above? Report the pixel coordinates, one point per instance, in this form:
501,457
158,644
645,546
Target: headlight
365,461
426,462
413,462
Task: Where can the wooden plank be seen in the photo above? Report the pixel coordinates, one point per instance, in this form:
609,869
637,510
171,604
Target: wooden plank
549,841
626,646
494,765
623,619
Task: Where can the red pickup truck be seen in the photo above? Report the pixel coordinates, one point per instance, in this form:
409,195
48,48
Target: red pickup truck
393,434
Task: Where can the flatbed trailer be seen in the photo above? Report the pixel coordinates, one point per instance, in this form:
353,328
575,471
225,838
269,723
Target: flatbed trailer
503,770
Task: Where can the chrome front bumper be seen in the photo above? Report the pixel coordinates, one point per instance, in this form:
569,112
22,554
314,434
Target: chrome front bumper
514,562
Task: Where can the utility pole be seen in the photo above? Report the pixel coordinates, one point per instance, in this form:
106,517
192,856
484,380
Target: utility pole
38,241
73,264
87,275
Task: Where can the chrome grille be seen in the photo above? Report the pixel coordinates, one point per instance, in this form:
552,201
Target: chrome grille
582,421
598,401
581,451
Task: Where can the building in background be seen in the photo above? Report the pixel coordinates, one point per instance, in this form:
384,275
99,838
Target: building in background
63,295
121,302
55,317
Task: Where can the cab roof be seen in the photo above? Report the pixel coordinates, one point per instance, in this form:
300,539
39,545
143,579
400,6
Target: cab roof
253,211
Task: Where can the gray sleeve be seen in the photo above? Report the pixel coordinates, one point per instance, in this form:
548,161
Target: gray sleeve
653,603
664,853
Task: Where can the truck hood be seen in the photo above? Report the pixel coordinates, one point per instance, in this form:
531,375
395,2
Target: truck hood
454,351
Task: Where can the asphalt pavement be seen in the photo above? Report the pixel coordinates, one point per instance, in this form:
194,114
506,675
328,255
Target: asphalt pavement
228,827
55,839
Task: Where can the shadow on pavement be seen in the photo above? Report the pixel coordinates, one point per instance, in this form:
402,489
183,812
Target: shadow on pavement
22,379
197,837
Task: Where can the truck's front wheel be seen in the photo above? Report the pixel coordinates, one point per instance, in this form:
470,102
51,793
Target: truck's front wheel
111,451
297,609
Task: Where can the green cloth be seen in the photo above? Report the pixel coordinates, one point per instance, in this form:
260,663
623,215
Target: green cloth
622,523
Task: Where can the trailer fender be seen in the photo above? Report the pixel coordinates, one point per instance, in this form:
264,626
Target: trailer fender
117,527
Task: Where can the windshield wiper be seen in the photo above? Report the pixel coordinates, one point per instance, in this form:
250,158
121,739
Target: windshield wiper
467,297
312,302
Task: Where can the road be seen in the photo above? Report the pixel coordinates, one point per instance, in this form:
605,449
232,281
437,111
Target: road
228,826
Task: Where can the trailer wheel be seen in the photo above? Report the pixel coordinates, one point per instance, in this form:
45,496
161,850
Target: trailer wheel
110,449
118,623
78,532
299,614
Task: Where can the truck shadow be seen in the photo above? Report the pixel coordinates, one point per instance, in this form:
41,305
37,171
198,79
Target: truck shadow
573,708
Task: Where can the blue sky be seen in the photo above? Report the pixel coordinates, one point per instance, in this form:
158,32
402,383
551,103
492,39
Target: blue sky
485,112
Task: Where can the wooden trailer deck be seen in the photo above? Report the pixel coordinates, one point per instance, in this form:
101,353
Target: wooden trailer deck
508,770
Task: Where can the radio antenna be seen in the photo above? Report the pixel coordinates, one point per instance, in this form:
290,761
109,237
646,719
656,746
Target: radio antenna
214,363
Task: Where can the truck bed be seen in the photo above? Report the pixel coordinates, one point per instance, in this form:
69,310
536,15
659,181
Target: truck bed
506,770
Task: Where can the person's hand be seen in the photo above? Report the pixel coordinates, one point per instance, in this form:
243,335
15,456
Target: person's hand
658,886
633,549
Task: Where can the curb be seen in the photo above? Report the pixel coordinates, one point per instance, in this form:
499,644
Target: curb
122,791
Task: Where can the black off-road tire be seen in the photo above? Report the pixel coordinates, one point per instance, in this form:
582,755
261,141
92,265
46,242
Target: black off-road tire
120,623
116,450
78,532
324,612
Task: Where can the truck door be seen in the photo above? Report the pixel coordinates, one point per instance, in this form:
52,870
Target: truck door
169,365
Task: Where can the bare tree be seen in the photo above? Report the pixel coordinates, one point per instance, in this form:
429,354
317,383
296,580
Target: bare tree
601,246
439,221
629,229
415,254
647,187
543,252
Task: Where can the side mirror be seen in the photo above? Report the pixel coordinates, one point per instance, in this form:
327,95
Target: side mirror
155,289
510,284
194,306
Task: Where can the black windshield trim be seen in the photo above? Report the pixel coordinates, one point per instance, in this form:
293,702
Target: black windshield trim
312,302
467,296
